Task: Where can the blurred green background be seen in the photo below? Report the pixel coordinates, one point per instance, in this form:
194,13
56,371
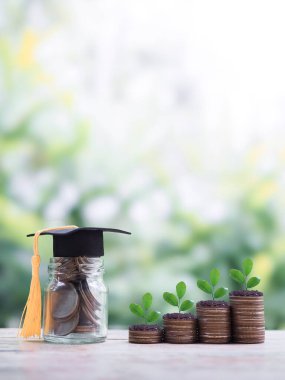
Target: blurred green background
150,118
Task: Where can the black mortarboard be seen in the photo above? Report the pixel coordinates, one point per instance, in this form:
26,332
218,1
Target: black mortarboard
81,241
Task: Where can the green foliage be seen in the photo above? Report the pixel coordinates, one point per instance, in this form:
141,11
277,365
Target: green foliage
252,282
237,276
210,288
247,265
142,311
147,301
220,292
176,300
205,286
242,276
214,276
186,305
170,298
137,310
181,289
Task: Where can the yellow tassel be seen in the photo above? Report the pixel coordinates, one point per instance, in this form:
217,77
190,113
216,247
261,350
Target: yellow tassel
30,324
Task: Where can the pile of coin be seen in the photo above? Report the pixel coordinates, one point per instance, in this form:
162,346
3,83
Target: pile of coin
70,305
180,330
214,323
248,319
145,334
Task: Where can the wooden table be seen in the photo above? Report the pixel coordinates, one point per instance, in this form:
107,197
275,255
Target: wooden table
117,359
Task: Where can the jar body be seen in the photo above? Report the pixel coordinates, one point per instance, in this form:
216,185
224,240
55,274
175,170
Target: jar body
75,302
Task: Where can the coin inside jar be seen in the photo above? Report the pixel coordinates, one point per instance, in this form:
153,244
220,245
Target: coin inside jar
65,327
89,305
65,301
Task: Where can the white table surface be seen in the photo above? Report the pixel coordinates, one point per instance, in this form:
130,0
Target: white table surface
117,359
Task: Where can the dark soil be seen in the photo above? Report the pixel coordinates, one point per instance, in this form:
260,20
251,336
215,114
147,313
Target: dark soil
179,316
144,328
246,293
214,304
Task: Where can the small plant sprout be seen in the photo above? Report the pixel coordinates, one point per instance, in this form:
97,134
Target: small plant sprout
242,276
174,300
210,287
143,311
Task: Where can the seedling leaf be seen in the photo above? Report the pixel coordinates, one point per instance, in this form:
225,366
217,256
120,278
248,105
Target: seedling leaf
186,305
247,265
220,292
237,276
205,286
152,316
214,276
137,310
252,282
180,289
147,300
170,298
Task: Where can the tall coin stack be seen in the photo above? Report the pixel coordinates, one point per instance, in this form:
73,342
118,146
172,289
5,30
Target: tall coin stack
248,322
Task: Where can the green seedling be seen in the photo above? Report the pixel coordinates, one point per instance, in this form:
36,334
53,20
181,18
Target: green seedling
242,276
143,311
210,287
174,300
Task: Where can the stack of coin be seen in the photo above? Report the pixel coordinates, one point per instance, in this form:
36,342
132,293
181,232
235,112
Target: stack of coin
180,328
145,334
248,322
214,321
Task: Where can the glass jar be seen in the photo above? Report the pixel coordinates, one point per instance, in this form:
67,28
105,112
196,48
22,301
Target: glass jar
75,302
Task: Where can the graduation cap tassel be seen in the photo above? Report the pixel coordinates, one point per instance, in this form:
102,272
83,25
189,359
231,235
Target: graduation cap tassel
30,324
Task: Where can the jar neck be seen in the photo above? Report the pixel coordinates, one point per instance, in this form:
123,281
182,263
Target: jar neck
75,268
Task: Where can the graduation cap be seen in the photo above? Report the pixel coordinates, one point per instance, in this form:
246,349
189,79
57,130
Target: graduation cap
81,241
68,241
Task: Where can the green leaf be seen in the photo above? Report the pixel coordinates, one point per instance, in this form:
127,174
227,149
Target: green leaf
147,300
247,265
180,289
170,298
237,275
214,276
152,316
205,286
220,292
252,282
137,310
186,305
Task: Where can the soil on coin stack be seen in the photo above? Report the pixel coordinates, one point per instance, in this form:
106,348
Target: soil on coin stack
183,316
246,293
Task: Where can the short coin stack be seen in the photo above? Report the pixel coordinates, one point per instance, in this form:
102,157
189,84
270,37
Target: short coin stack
214,322
180,328
248,317
145,334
